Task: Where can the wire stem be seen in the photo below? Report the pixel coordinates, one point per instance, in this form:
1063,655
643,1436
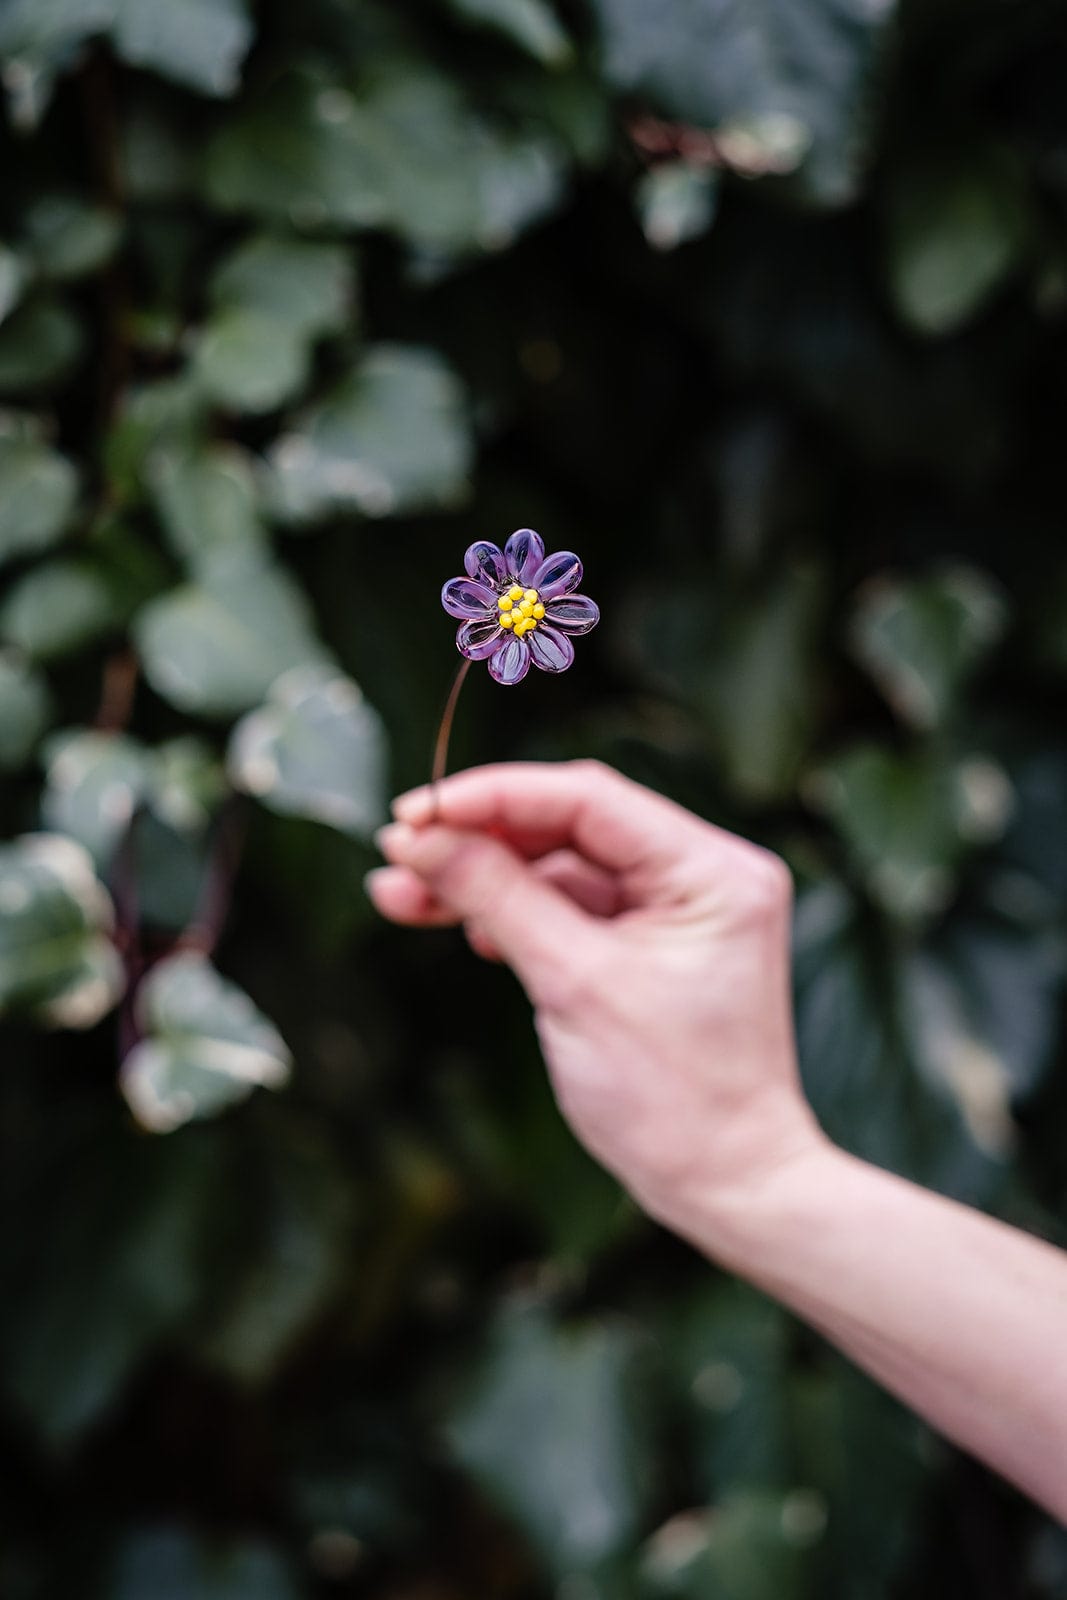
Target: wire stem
444,730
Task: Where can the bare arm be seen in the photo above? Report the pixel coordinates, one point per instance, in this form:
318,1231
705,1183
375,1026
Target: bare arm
655,949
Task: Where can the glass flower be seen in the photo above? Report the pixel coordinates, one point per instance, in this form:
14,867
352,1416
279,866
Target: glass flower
518,605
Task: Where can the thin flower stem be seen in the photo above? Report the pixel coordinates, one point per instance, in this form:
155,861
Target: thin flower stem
444,731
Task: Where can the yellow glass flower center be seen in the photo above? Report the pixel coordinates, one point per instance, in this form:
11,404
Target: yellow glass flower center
520,610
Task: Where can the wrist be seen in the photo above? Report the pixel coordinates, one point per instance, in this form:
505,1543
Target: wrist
747,1223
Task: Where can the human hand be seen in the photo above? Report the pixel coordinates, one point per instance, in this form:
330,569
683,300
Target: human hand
655,950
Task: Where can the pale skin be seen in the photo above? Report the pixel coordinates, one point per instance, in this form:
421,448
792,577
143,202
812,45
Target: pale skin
654,948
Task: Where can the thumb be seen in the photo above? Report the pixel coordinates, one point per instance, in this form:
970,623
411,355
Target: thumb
535,928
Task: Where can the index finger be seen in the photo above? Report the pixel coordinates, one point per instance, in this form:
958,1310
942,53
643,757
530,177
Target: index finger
583,805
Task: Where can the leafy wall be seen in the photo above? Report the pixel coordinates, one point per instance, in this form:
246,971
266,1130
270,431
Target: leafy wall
307,1290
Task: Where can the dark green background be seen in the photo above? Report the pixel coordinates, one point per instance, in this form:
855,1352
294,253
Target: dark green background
762,310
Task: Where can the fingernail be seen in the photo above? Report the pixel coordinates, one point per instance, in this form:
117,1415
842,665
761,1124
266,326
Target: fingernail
417,805
393,837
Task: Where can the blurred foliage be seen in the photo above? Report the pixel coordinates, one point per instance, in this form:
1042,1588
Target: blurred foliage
763,310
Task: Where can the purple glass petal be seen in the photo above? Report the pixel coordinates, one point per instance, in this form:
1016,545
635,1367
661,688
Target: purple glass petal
559,574
462,597
479,637
551,651
511,662
485,562
524,553
572,613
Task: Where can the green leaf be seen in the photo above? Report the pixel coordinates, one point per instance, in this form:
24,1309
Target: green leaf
316,749
187,784
393,438
531,24
246,360
908,821
738,67
405,153
56,958
957,229
28,27
216,647
166,1564
158,163
554,1431
39,344
204,1048
981,1009
853,1037
68,237
119,1259
921,639
206,499
755,1545
25,709
309,286
862,1454
57,608
38,490
760,688
289,1243
12,279
94,783
677,201
197,43
727,1352
167,415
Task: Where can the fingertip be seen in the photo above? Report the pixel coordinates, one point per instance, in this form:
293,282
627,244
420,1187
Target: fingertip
400,896
415,806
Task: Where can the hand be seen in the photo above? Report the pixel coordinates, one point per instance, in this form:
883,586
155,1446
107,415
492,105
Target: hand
655,950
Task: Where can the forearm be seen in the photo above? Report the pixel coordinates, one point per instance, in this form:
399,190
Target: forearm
964,1318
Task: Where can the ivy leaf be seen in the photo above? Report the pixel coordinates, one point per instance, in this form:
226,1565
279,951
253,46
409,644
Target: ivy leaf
56,958
728,1353
94,784
38,489
308,285
205,1046
289,1243
733,67
554,1432
861,1455
921,639
755,1545
406,153
206,499
957,229
39,344
198,43
393,438
12,280
57,608
119,1257
531,24
315,749
908,821
25,709
216,646
677,201
67,237
246,360
167,1564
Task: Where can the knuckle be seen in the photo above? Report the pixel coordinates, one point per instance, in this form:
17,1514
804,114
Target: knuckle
767,891
588,767
468,879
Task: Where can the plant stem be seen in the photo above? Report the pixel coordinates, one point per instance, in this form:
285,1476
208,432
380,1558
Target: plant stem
444,730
